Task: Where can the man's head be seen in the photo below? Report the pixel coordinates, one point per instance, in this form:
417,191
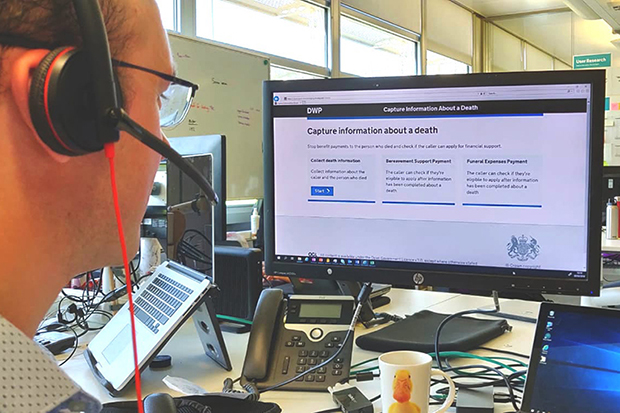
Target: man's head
64,204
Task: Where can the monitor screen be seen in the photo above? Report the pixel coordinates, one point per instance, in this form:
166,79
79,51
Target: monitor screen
575,361
437,180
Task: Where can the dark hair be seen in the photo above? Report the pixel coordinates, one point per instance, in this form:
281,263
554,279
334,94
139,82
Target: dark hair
53,23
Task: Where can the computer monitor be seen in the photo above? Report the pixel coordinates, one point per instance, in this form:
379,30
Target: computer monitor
185,229
190,230
480,181
216,146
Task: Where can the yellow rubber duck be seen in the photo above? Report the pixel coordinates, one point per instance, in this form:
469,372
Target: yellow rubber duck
403,386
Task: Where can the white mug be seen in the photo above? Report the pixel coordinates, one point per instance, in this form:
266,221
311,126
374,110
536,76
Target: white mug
406,380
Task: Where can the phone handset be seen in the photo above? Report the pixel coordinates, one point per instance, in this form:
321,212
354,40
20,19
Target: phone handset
257,357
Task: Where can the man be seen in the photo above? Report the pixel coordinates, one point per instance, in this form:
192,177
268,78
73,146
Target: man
56,213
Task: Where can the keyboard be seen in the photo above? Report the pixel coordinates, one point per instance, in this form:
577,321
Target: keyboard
160,301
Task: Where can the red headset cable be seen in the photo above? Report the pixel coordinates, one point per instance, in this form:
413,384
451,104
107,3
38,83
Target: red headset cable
109,153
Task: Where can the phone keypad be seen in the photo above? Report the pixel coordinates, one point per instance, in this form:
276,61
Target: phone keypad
310,354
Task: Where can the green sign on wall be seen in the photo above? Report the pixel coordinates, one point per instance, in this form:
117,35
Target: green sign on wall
590,61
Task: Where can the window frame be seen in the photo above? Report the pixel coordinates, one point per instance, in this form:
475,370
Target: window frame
176,17
470,68
379,24
323,71
185,24
290,69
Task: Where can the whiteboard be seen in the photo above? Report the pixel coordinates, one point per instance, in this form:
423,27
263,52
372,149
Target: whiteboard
229,102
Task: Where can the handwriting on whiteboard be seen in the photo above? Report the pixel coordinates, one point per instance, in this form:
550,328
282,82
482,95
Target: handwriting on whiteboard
243,117
218,82
183,56
206,108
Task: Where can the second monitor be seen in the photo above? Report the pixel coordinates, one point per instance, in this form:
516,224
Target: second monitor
216,146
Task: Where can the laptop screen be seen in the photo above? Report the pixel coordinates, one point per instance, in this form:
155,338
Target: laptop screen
575,363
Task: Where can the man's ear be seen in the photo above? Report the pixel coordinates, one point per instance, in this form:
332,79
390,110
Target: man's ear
21,78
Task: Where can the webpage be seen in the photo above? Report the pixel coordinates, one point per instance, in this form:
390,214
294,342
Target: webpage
495,181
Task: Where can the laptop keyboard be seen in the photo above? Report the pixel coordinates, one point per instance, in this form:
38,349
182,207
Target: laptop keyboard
161,299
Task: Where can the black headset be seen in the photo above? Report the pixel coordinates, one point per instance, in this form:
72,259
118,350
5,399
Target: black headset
73,91
75,100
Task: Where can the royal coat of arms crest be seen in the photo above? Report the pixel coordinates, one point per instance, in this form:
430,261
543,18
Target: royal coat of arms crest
523,248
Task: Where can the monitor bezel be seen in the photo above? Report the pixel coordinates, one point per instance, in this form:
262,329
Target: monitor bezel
467,278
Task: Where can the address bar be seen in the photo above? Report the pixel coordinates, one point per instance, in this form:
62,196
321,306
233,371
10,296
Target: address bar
393,96
428,98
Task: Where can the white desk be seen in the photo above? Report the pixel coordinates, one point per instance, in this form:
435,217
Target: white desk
609,245
190,362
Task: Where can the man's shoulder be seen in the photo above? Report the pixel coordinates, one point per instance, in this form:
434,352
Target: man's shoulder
32,381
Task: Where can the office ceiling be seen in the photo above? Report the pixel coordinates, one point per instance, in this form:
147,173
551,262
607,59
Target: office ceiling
490,8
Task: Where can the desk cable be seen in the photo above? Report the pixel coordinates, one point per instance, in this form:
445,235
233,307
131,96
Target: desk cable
82,309
504,379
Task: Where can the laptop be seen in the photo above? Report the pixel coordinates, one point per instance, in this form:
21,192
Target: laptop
162,305
575,361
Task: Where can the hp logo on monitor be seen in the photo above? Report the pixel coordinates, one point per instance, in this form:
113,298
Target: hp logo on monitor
418,278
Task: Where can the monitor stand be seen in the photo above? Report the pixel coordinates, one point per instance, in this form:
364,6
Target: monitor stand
368,317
